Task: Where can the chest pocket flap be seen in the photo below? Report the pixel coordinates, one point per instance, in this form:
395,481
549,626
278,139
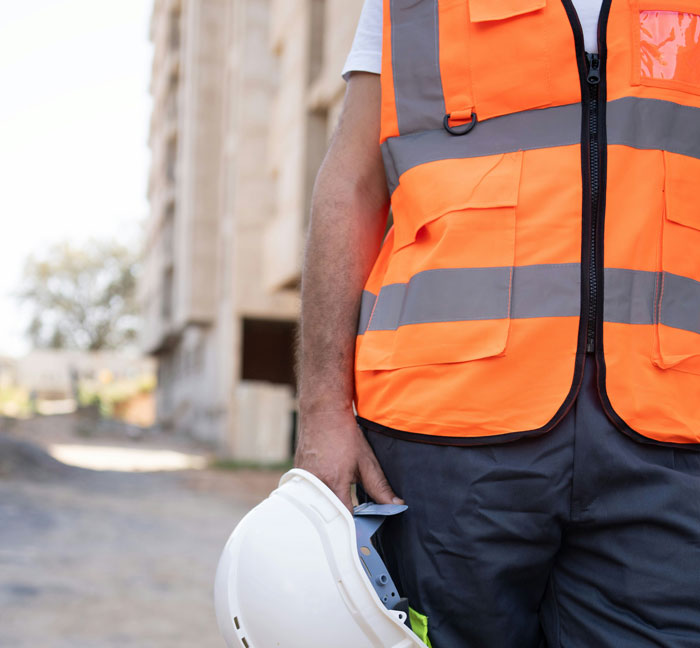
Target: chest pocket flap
488,10
471,183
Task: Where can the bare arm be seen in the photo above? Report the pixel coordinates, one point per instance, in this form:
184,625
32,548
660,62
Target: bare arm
348,217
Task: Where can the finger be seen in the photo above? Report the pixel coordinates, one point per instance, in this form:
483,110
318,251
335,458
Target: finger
336,481
340,485
343,494
375,482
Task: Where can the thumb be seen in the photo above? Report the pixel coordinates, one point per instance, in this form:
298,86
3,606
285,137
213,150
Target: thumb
375,482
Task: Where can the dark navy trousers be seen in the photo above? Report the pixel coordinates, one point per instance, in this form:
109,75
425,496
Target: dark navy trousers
582,537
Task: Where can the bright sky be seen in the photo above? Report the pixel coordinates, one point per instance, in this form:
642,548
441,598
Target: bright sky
74,110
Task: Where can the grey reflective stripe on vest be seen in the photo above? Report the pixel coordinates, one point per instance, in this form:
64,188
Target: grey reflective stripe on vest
680,302
547,290
415,55
631,296
530,129
449,295
463,294
366,306
650,124
654,124
470,294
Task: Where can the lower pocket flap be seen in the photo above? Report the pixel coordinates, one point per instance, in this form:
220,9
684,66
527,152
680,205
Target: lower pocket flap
682,189
677,343
432,344
440,316
674,350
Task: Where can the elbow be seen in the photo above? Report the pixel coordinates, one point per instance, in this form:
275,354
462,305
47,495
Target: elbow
357,193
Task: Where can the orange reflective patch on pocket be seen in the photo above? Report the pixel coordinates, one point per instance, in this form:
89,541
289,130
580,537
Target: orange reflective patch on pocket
669,49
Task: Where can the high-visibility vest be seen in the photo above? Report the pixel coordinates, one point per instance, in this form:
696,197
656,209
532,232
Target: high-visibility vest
546,204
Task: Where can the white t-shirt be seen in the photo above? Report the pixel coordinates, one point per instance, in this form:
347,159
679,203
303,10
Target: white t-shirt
366,52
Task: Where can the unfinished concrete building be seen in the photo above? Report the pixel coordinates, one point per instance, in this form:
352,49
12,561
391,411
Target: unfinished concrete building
245,93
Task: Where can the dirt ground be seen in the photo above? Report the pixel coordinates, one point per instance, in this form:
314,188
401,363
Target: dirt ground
102,558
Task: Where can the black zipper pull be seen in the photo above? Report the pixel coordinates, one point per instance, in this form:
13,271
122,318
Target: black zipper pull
593,68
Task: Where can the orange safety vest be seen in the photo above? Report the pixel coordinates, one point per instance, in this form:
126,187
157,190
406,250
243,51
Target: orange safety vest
546,204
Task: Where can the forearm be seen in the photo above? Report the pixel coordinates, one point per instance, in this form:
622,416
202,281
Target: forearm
347,224
348,219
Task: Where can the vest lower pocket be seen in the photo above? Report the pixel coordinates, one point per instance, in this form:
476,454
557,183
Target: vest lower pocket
677,313
447,291
677,340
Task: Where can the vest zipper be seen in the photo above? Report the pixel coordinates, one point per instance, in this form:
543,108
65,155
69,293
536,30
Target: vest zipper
593,79
593,161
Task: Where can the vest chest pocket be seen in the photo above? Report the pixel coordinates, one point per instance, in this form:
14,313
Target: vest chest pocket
448,286
666,44
509,55
677,311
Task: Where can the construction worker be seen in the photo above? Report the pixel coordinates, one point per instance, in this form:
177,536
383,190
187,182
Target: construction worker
522,349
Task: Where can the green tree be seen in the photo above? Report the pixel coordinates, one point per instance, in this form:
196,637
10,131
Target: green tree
82,297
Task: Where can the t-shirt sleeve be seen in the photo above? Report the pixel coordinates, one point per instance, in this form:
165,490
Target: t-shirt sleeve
366,52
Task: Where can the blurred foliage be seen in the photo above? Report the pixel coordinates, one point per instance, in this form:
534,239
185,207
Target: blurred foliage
15,402
239,464
104,396
82,297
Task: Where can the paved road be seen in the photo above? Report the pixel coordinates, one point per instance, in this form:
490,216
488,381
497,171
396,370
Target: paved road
92,559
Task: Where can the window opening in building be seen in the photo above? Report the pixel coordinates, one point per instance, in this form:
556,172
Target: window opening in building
167,294
171,99
316,145
171,158
174,29
168,235
317,18
268,351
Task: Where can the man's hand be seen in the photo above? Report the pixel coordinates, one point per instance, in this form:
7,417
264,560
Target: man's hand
348,218
334,449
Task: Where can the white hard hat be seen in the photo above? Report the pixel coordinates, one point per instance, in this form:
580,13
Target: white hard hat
291,575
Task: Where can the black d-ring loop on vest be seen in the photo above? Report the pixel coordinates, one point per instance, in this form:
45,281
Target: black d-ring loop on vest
459,130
